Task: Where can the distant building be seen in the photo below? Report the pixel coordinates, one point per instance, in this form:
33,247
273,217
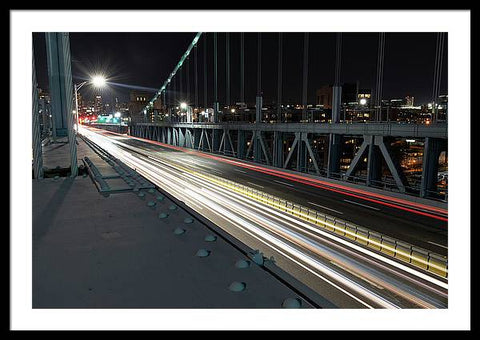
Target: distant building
364,97
349,93
397,102
43,95
324,97
409,100
138,100
97,105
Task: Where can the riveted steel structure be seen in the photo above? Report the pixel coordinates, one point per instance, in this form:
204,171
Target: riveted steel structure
61,90
273,140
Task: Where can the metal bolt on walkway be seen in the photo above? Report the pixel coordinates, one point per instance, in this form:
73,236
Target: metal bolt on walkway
242,264
179,231
292,303
210,238
203,253
237,286
162,215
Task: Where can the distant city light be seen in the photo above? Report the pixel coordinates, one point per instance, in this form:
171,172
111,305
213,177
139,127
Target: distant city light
363,101
118,114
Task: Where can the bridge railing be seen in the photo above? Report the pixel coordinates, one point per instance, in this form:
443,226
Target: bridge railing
405,252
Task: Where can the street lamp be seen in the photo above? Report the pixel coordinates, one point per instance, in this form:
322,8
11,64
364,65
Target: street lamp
97,81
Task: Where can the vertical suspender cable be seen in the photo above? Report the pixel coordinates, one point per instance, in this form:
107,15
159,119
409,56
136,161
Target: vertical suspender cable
437,75
195,55
259,64
227,66
338,64
305,76
205,79
279,79
242,68
215,68
174,93
181,94
188,80
379,88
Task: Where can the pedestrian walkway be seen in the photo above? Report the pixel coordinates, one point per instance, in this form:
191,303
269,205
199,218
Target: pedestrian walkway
137,249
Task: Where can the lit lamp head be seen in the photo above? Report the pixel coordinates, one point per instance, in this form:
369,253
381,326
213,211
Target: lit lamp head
363,101
183,106
99,81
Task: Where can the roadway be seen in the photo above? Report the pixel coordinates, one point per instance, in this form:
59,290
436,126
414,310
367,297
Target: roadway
428,231
345,274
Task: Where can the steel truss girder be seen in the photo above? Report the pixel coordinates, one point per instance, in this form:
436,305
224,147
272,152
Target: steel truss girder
223,142
438,130
374,162
257,143
204,136
301,140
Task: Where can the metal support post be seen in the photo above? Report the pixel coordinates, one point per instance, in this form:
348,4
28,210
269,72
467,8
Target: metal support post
278,149
61,91
432,150
374,163
241,144
334,153
216,137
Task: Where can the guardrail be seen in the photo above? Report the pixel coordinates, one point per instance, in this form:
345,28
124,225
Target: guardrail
419,257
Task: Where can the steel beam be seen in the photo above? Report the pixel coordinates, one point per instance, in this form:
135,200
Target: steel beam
278,149
431,152
241,144
334,154
374,162
61,91
395,170
292,150
358,156
258,109
306,141
439,130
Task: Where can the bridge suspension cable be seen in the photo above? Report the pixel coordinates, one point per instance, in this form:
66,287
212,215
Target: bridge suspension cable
173,73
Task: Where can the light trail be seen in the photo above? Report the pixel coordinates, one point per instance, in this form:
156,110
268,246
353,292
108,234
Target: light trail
402,204
294,239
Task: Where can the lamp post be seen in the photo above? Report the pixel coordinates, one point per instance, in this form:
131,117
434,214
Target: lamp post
77,87
97,81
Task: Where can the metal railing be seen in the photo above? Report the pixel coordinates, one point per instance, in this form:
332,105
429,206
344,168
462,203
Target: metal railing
418,257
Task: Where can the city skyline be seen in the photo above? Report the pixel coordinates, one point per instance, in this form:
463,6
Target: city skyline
145,63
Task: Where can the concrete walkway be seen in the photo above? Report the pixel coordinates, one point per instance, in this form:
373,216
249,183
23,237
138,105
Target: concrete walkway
136,249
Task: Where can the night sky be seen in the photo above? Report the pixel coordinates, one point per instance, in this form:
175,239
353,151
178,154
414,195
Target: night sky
144,60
